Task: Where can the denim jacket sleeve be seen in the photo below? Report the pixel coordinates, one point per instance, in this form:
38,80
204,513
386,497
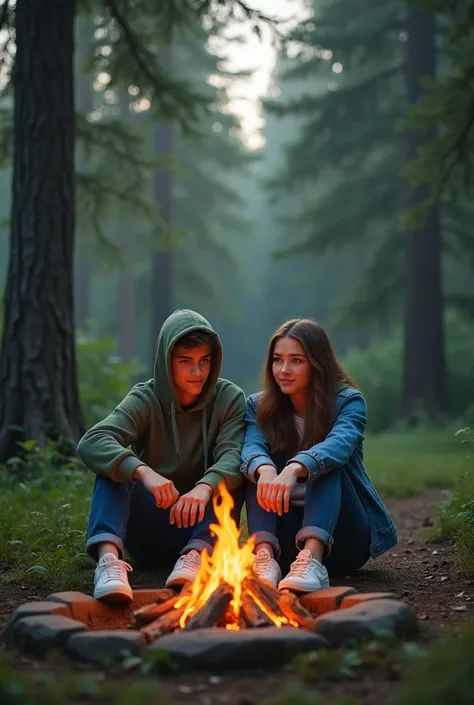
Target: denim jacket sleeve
341,441
255,451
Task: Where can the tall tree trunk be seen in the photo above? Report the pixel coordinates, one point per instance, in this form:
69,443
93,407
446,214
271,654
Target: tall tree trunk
424,366
125,320
161,267
84,102
38,386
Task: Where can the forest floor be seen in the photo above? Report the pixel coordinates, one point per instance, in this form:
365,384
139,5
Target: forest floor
420,571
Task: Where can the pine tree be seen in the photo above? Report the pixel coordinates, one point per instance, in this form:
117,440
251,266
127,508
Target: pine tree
38,386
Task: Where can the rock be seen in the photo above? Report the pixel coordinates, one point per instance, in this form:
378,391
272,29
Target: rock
325,600
106,646
367,621
42,633
69,597
30,609
225,649
352,600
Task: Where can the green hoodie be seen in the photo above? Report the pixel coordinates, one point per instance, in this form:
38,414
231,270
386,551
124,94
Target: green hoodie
199,444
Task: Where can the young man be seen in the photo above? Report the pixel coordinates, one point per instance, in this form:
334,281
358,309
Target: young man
159,458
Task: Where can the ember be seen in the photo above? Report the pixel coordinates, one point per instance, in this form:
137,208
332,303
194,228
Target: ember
226,593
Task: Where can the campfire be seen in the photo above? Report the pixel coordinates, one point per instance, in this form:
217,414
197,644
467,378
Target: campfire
226,592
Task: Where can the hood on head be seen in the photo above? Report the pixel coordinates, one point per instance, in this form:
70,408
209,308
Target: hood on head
180,323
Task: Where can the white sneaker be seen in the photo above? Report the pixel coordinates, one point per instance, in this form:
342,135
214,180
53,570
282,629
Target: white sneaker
111,581
306,574
266,567
185,569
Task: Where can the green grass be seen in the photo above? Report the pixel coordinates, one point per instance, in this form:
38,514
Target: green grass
43,509
401,464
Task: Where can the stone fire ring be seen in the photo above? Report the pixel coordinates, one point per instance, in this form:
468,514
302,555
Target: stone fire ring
88,630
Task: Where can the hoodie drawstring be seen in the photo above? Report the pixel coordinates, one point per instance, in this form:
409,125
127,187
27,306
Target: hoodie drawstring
174,426
204,438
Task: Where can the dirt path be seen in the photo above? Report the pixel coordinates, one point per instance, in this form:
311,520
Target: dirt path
418,571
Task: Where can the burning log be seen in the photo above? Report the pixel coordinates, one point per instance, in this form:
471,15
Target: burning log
252,614
213,609
163,625
147,614
164,595
294,610
264,595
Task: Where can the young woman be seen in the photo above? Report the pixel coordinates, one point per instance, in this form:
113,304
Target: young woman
310,504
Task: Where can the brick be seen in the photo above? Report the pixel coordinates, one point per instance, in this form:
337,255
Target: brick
41,634
94,613
368,620
106,646
352,600
145,596
70,597
325,600
31,609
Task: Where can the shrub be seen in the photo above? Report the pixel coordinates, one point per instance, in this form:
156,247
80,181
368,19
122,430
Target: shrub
378,372
455,518
104,379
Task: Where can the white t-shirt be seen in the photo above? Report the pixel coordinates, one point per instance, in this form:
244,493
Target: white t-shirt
298,493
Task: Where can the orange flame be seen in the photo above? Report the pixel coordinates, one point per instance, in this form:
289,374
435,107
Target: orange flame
229,562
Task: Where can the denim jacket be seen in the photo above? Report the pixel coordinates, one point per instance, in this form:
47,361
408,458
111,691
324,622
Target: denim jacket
342,448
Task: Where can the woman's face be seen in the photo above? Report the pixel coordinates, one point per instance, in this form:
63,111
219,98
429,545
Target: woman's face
291,367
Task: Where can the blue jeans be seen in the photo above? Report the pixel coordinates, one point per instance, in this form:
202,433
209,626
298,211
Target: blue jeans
125,514
333,513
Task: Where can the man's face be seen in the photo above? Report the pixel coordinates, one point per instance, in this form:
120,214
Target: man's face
190,368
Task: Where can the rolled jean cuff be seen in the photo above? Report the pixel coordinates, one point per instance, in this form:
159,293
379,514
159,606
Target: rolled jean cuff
92,544
267,537
197,545
314,532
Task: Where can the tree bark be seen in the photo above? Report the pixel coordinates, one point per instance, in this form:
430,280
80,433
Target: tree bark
125,318
162,262
85,104
38,385
424,365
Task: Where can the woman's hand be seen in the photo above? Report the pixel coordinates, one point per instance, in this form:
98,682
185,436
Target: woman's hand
266,474
189,509
281,486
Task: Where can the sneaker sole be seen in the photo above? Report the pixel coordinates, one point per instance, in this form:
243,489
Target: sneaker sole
178,582
114,597
300,589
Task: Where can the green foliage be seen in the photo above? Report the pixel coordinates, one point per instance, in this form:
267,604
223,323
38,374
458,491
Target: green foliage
445,674
386,653
445,163
455,518
104,379
377,371
44,501
65,685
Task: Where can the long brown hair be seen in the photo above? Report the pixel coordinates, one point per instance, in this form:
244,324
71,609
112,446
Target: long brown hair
275,414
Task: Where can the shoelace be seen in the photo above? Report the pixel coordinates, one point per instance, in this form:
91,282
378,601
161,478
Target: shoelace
191,559
263,561
300,566
114,570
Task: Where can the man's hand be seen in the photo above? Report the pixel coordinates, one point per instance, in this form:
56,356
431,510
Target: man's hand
163,490
280,488
189,509
266,474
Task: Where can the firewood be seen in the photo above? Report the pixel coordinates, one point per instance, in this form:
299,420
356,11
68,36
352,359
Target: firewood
294,610
212,609
163,625
147,614
164,594
252,614
266,595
